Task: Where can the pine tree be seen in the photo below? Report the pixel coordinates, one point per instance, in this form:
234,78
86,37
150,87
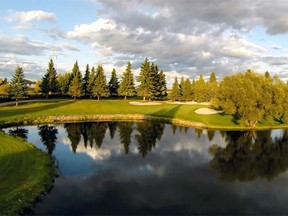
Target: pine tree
175,92
91,81
86,81
212,87
200,90
75,87
100,88
127,87
113,84
49,81
154,82
181,86
186,90
162,85
144,89
18,85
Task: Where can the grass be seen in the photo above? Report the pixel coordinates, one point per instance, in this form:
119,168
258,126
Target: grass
25,173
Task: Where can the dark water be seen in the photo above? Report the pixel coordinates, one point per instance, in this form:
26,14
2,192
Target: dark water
155,168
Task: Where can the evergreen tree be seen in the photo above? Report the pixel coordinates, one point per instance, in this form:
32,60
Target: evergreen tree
86,81
181,86
75,87
100,88
186,90
144,89
200,90
154,82
162,85
18,85
91,81
4,87
175,92
113,84
127,87
49,81
212,87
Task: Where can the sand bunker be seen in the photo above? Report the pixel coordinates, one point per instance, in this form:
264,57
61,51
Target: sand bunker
207,111
137,103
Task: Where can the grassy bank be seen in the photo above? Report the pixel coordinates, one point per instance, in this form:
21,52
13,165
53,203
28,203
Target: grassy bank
80,110
25,173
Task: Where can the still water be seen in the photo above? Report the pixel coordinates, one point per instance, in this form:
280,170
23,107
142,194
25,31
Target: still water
155,168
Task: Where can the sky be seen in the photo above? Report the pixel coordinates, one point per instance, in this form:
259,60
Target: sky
184,37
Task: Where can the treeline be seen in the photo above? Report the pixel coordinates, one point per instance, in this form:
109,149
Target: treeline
94,84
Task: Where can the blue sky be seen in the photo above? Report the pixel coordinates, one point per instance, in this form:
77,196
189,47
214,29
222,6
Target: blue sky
185,38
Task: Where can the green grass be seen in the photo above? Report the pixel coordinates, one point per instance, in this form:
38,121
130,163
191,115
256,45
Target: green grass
25,173
40,110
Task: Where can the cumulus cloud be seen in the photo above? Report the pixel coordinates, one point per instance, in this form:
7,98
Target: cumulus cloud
26,17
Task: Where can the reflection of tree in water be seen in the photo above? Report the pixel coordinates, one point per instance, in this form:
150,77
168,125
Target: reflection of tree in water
150,132
112,128
74,134
48,135
248,156
125,131
19,132
93,133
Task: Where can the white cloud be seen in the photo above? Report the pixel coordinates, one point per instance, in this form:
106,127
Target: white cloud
26,17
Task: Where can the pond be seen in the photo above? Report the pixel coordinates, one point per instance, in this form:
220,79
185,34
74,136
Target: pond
155,168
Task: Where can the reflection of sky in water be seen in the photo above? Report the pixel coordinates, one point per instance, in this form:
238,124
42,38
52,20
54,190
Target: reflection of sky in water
174,178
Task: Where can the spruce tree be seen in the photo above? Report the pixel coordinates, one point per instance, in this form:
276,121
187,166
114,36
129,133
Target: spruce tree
18,85
113,84
162,85
86,81
181,86
91,81
186,90
100,88
75,87
144,89
175,92
154,82
49,81
127,87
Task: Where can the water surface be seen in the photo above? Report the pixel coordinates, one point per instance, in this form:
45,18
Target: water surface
155,168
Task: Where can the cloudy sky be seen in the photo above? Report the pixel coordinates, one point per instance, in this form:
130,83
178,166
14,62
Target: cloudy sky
184,37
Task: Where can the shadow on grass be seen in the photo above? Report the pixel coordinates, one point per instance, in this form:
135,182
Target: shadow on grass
170,113
47,105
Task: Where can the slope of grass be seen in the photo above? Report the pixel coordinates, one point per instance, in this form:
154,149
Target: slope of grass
25,173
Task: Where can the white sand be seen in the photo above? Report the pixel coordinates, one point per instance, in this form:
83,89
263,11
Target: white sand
137,103
206,111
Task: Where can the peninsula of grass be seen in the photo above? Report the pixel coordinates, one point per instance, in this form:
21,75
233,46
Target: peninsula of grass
25,173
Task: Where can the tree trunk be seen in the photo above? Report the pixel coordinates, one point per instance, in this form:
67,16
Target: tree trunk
125,97
46,96
98,97
16,102
74,97
144,98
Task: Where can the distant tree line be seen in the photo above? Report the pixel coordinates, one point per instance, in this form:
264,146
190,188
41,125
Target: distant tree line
249,97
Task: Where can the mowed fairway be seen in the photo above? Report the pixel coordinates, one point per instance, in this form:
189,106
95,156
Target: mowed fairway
25,173
92,107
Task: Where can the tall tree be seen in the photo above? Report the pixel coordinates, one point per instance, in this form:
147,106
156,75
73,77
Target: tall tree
181,86
18,85
100,88
175,92
127,87
48,136
49,80
186,90
75,87
212,86
91,81
200,90
113,84
154,82
85,84
162,85
144,89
